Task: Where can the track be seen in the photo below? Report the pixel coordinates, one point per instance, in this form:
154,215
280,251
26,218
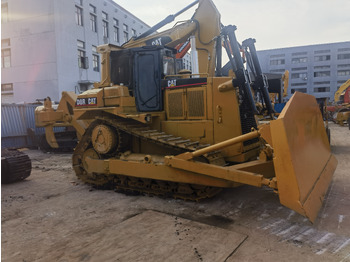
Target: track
126,129
15,166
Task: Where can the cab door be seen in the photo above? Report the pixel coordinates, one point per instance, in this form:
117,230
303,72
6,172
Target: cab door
147,80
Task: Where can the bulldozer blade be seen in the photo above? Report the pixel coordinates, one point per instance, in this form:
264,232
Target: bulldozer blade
303,162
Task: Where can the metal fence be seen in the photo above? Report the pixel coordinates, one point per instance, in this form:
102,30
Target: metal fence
15,121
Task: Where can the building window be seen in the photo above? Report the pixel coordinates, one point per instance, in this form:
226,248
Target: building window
5,43
84,87
105,24
299,68
104,16
93,23
115,22
4,13
322,58
299,75
343,72
133,31
322,74
322,51
299,60
277,56
105,28
95,59
277,62
126,33
277,71
5,53
116,34
298,84
322,67
299,53
302,90
116,30
78,15
343,66
343,49
92,9
321,89
322,83
7,89
95,62
6,58
82,59
343,56
81,44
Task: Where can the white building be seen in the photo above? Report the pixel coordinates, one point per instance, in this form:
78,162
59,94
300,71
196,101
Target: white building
318,70
49,46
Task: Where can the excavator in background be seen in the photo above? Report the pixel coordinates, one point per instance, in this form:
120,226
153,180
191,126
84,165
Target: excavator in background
146,127
342,96
340,110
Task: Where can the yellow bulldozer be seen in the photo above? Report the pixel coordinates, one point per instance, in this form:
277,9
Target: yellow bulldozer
152,128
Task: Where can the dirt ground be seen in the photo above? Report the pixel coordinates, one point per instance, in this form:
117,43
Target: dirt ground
52,216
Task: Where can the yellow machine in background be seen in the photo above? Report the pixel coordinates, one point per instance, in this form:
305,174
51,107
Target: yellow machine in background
146,128
340,110
339,96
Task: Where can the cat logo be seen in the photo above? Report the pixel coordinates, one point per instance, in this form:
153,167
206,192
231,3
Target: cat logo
86,101
157,41
172,83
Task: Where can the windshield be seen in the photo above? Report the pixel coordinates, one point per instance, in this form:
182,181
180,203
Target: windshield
168,65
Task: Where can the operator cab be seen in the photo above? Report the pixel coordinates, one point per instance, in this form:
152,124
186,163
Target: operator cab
141,70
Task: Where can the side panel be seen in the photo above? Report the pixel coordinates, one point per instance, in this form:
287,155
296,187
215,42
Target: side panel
227,123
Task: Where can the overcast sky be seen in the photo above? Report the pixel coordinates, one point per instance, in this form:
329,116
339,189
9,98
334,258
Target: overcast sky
273,23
